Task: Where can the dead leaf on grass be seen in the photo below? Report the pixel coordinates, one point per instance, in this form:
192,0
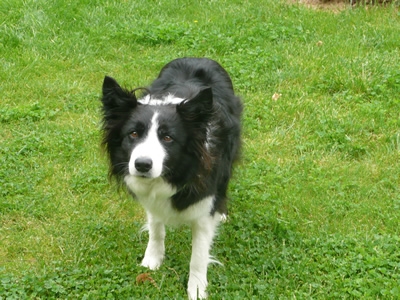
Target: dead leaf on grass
142,278
276,96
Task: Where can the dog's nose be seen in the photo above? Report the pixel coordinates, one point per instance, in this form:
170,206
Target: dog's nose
143,164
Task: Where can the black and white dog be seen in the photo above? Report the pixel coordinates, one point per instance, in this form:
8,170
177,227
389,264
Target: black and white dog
174,148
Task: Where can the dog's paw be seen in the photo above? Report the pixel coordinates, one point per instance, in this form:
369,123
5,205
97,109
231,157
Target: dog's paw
197,287
154,255
152,262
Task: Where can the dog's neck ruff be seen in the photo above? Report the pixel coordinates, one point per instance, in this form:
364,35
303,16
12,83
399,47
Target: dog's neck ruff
168,99
149,188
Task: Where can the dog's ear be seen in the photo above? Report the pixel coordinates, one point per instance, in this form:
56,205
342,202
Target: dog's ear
196,114
109,83
115,97
199,108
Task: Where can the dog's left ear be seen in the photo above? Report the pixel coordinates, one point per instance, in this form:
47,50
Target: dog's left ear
198,108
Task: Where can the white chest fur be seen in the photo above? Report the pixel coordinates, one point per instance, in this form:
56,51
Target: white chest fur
155,196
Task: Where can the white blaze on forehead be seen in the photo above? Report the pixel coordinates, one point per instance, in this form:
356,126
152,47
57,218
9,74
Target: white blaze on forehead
149,148
168,99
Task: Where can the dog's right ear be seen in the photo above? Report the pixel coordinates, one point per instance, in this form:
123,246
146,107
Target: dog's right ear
115,98
109,84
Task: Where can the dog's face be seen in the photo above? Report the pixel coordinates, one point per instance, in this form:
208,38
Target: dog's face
151,138
155,140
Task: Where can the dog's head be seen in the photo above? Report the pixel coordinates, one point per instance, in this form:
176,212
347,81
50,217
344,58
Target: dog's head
150,138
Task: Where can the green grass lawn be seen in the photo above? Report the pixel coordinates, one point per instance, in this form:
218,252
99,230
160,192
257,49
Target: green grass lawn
315,201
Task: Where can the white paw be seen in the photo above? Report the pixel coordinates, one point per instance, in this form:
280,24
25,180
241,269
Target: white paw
154,255
197,287
153,262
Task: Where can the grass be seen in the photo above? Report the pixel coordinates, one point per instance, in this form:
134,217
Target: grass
315,201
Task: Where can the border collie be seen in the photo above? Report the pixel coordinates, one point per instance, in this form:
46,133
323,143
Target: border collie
174,148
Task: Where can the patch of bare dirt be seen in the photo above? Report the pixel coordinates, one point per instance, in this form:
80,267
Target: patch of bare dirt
339,5
335,5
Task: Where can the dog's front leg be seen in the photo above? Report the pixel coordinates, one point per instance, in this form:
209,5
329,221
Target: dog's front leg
155,250
203,231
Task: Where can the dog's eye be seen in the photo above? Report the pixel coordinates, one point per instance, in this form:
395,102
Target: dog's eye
167,138
134,135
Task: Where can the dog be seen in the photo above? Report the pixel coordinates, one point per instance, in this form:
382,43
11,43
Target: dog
174,149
